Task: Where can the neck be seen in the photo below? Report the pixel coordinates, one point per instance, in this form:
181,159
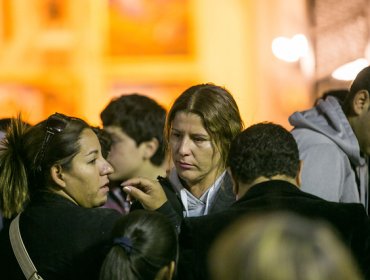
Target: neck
61,192
243,188
151,171
198,188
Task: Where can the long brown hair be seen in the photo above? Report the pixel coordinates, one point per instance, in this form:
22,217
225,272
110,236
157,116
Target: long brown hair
218,111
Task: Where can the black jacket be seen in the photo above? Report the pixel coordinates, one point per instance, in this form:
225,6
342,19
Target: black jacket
174,208
198,234
64,241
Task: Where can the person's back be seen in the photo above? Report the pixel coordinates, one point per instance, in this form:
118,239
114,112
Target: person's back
54,175
264,163
280,246
334,144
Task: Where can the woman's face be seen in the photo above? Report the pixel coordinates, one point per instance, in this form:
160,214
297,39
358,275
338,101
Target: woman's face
195,159
86,182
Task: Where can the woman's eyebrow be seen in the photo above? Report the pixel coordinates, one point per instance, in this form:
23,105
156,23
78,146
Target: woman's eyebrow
92,152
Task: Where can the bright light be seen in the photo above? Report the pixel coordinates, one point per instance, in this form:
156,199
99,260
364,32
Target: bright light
290,49
349,71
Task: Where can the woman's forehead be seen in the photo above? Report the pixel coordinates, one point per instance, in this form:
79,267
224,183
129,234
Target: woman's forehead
88,141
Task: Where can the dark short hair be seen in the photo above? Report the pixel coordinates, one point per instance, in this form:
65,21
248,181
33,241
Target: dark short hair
263,149
151,243
339,94
361,82
140,117
218,111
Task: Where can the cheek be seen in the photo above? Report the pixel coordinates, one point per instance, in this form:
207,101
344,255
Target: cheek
172,146
206,157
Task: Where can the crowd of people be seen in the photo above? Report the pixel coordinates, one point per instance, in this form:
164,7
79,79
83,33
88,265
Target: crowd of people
189,193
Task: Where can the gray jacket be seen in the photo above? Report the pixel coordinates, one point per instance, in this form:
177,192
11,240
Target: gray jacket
333,167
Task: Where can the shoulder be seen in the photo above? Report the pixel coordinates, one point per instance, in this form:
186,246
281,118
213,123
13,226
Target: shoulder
328,153
309,137
171,194
98,218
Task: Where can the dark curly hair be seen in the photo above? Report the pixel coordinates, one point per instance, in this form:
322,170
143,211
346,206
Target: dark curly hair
263,149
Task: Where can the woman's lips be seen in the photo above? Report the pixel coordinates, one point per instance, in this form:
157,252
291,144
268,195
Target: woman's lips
106,185
184,165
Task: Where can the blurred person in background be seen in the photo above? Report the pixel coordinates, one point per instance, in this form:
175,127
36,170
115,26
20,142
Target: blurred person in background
280,246
135,124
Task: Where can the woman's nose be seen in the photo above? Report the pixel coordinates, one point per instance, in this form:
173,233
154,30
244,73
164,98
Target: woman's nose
184,146
107,168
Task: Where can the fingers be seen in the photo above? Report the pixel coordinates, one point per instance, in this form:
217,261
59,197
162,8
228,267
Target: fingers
137,182
149,193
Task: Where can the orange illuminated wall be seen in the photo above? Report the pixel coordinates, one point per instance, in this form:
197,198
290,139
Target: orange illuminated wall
74,56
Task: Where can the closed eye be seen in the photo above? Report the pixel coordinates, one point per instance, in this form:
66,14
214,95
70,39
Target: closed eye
92,161
199,139
175,134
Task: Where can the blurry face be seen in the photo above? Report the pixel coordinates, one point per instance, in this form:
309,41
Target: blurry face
193,155
125,156
87,180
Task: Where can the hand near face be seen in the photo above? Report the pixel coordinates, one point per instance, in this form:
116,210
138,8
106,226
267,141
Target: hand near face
148,192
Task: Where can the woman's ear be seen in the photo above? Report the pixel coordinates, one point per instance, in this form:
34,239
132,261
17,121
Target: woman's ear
56,172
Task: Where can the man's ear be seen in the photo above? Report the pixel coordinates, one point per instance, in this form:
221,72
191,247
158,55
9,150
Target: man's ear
299,174
151,148
360,102
56,173
166,272
234,181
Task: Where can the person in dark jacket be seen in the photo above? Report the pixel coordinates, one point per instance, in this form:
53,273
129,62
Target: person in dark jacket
265,167
54,175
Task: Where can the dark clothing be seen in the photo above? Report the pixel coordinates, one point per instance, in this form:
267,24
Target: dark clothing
64,241
174,208
198,234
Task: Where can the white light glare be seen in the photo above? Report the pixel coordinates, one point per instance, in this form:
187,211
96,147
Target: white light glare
290,49
349,71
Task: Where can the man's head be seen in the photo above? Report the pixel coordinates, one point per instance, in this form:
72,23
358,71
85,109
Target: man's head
356,107
263,150
135,123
